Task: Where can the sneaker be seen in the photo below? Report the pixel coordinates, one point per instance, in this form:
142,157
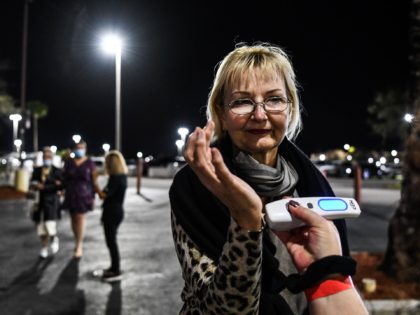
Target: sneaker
44,252
98,273
55,245
110,276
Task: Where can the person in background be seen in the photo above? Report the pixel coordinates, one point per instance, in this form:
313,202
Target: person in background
47,180
80,183
113,210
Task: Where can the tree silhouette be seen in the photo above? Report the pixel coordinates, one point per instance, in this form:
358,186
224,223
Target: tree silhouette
402,258
38,110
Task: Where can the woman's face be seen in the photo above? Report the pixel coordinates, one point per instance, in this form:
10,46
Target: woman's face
259,132
80,150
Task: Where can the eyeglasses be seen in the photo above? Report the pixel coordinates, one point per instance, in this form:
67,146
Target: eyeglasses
245,106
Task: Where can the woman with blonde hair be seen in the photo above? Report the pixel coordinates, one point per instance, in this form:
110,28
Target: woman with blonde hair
231,262
113,211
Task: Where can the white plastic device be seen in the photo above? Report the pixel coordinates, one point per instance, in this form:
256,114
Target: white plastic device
278,217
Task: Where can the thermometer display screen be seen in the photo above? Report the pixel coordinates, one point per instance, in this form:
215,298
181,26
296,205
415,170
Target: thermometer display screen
332,204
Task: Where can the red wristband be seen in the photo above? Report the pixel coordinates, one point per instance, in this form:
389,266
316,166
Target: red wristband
328,287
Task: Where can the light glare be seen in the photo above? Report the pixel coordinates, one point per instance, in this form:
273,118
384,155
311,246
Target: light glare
111,43
408,117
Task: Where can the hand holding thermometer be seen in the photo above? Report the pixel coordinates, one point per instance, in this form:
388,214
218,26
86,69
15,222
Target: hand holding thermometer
279,219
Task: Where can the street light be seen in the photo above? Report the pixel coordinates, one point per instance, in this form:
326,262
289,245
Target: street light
76,138
408,117
53,149
15,118
18,144
180,145
112,44
183,132
346,146
106,147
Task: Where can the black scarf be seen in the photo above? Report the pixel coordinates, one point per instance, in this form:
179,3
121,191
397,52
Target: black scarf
206,220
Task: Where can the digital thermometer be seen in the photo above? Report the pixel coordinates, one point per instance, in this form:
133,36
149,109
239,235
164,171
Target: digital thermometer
279,219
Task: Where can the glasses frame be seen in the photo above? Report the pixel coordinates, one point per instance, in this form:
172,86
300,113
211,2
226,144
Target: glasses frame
263,104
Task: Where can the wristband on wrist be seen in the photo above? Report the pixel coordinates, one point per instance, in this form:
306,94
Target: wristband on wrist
328,287
319,271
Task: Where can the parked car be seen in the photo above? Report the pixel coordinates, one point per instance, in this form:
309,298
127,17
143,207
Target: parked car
100,163
164,167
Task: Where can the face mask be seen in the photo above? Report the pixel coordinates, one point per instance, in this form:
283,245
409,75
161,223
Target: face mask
79,153
47,163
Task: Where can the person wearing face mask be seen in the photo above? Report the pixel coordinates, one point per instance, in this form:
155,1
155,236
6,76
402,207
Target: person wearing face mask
80,183
47,180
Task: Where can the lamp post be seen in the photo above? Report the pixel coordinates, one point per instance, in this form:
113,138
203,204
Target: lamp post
112,44
139,171
180,145
183,132
24,64
18,144
76,138
408,117
15,118
106,147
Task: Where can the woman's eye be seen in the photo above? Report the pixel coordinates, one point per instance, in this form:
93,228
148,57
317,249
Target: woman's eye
242,102
276,99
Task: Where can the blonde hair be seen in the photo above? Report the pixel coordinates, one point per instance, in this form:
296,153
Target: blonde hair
240,63
115,163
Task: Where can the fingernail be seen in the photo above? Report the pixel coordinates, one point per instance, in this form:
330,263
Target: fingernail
294,204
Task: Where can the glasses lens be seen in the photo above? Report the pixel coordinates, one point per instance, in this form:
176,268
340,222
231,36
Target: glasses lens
276,104
242,106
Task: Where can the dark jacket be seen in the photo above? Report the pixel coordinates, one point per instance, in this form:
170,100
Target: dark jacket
49,199
205,219
115,193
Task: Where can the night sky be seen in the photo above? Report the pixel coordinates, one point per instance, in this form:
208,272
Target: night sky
343,53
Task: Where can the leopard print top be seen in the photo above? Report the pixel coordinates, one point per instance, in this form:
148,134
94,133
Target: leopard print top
231,285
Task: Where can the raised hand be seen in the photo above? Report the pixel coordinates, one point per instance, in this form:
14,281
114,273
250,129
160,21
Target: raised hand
243,202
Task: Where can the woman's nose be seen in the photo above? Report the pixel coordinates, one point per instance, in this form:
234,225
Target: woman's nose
259,113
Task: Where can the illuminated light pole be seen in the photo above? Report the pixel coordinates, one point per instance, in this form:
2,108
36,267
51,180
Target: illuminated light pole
106,147
112,44
18,144
15,118
408,117
139,171
180,145
183,132
76,138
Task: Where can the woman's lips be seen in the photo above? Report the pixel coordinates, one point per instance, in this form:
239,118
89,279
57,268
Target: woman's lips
259,131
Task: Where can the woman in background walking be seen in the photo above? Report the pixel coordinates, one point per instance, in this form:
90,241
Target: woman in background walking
46,179
80,179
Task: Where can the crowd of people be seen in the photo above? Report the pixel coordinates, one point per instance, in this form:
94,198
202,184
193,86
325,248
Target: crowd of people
72,188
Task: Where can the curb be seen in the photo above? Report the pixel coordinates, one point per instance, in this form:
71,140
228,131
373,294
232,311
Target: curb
392,307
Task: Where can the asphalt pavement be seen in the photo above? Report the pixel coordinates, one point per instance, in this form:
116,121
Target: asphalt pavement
61,285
